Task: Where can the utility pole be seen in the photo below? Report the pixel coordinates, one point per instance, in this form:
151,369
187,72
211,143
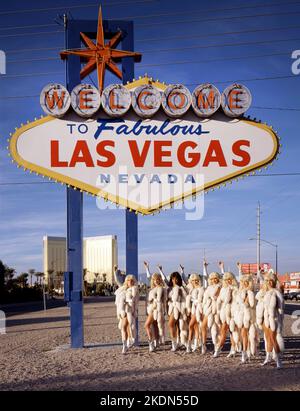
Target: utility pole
258,239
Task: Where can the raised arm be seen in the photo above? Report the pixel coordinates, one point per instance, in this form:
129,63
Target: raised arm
239,266
205,273
160,270
260,277
119,277
147,271
183,276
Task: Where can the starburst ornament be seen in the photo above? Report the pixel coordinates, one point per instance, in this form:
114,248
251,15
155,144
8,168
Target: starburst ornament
100,56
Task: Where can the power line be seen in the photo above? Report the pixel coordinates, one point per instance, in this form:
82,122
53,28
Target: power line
277,108
147,16
53,182
27,27
210,60
218,45
32,34
197,36
215,19
108,4
276,29
37,49
174,49
177,22
31,74
146,65
249,79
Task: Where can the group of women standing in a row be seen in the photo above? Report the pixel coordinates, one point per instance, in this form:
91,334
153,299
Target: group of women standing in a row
220,305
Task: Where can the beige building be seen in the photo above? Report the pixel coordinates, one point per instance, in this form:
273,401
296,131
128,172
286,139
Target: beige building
100,254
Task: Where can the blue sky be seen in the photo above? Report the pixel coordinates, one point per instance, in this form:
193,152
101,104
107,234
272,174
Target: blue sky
30,211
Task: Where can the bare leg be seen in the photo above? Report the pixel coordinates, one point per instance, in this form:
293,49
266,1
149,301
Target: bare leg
148,327
124,333
223,334
204,334
173,328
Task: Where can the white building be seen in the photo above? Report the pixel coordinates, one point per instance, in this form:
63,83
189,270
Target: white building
100,254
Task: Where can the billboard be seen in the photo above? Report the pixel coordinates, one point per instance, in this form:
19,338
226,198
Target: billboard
251,268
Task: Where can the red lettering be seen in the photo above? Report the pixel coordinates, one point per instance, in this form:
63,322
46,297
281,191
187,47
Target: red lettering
81,154
84,99
206,102
175,105
54,148
101,150
140,101
55,100
233,99
139,158
214,154
237,150
194,158
112,104
159,153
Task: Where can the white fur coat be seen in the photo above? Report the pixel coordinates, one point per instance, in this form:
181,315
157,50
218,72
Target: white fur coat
177,302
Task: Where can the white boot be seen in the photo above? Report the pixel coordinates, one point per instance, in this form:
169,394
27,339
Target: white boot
130,342
162,339
151,346
155,344
268,358
174,346
124,348
188,347
195,345
231,354
203,349
216,353
278,361
244,357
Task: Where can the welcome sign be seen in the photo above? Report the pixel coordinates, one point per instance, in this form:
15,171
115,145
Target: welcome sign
143,164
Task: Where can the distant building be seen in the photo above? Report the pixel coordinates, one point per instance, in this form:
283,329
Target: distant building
100,254
290,281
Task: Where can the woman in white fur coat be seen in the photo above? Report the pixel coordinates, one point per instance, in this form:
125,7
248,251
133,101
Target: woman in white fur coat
194,310
272,305
177,309
127,298
245,318
156,309
211,320
225,303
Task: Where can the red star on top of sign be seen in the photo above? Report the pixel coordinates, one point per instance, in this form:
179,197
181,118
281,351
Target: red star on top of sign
100,55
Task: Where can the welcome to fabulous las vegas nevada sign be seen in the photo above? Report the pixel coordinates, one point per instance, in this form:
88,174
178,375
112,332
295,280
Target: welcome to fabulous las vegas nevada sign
144,145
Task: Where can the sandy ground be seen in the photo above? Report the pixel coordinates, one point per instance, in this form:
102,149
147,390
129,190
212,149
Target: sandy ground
30,360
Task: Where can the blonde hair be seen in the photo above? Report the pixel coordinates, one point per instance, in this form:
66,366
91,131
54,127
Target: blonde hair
195,277
129,277
212,276
156,276
249,278
229,276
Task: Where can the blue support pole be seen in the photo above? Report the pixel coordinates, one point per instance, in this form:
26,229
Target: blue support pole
74,198
74,215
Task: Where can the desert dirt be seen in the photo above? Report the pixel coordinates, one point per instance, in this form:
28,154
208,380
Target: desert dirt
33,357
